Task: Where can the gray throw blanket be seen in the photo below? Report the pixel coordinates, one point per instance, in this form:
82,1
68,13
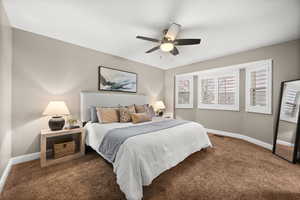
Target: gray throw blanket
114,138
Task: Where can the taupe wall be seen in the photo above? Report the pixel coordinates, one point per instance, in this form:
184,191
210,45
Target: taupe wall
286,66
5,88
45,69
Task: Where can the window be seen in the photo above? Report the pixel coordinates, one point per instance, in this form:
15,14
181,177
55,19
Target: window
259,87
290,103
219,89
184,91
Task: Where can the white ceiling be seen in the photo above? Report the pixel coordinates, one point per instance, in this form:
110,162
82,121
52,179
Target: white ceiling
110,26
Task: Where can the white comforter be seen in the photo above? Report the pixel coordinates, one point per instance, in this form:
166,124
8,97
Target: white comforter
142,158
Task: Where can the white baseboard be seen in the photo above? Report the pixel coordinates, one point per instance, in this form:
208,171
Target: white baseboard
14,161
25,158
5,175
242,137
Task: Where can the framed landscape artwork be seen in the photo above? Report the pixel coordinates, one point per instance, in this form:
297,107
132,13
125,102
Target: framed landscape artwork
116,80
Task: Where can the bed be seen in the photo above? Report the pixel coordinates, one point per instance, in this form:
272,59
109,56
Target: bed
141,158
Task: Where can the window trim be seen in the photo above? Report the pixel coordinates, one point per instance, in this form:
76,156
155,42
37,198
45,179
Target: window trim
265,64
215,74
191,103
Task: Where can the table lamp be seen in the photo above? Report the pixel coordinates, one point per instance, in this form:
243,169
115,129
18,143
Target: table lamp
159,107
56,109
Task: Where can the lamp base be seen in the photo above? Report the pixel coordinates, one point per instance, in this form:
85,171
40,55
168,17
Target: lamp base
160,113
56,123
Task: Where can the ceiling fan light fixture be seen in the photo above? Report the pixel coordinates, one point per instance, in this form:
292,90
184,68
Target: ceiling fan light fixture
167,46
168,43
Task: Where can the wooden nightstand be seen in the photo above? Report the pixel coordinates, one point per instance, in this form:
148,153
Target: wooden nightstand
49,138
166,116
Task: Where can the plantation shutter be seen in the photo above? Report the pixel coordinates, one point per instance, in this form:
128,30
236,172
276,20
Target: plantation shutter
259,87
184,91
208,91
226,90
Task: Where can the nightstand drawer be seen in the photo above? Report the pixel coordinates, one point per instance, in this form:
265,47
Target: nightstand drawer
64,149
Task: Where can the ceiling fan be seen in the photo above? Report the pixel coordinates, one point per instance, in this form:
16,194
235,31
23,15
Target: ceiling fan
169,42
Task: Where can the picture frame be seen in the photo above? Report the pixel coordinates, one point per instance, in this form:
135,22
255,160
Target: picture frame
115,80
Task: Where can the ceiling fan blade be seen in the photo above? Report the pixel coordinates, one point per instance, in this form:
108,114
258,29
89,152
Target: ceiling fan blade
173,31
153,49
187,41
147,38
174,52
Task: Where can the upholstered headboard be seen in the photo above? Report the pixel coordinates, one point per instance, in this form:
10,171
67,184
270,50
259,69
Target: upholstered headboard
88,99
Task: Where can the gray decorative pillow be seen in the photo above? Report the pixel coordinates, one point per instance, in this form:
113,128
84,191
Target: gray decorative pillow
93,111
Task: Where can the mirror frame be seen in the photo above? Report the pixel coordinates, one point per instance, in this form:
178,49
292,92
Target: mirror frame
277,124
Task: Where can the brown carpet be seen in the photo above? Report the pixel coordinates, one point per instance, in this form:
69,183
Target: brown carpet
233,169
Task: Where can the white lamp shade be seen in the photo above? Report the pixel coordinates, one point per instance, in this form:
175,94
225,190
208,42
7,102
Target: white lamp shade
159,105
56,108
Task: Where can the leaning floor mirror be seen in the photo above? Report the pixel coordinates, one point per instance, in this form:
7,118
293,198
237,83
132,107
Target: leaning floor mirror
287,132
